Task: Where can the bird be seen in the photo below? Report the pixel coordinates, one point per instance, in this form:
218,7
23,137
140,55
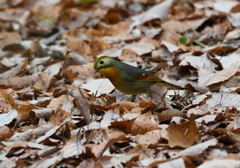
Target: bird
128,79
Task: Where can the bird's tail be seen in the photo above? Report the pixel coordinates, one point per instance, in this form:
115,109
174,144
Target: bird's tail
170,86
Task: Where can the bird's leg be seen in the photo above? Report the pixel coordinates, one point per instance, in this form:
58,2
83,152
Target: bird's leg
132,98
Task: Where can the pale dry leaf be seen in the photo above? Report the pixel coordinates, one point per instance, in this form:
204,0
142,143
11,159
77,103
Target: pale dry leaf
217,153
108,118
158,93
75,59
23,136
9,162
48,134
73,148
170,46
200,110
233,35
42,129
38,61
220,76
207,118
196,149
67,104
98,87
159,11
179,162
82,104
11,145
53,69
162,53
14,71
225,100
110,161
151,33
200,98
140,47
151,137
230,60
48,161
202,63
226,163
224,6
47,150
8,117
118,38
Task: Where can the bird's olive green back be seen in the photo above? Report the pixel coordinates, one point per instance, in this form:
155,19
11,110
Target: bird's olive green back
130,72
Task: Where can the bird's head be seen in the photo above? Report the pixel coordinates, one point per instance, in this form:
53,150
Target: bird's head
102,62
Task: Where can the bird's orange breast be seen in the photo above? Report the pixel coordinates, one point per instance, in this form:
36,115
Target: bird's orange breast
112,74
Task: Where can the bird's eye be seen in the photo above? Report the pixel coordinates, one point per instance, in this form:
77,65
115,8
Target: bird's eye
101,62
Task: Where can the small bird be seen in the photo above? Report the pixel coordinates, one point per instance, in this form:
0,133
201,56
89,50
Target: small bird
128,79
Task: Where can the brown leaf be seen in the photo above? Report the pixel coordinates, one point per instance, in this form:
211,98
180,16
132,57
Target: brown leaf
9,99
167,115
143,124
129,55
5,133
125,125
24,112
97,46
7,38
78,72
44,82
114,136
60,101
111,30
78,46
20,82
59,116
5,107
87,163
183,135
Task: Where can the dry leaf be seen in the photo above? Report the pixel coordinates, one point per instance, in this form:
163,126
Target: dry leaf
182,135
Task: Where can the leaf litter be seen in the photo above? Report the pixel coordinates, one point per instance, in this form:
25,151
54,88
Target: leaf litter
56,113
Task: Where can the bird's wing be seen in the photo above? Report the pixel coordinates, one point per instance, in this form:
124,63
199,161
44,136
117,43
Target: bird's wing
131,73
151,78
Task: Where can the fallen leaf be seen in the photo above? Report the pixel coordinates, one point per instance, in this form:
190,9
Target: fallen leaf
182,135
82,104
143,124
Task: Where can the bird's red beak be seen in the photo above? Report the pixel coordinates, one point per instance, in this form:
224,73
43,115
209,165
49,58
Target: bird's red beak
95,71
